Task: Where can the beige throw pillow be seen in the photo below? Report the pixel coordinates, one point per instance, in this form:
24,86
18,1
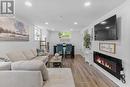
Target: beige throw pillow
34,52
28,54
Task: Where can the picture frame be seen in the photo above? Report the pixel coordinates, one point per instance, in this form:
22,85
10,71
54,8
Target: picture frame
12,29
108,47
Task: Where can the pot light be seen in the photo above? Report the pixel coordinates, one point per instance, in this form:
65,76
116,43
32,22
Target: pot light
107,27
86,4
75,23
104,22
29,4
46,23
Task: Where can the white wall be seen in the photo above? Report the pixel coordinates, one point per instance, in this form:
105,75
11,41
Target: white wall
7,46
75,40
122,45
45,33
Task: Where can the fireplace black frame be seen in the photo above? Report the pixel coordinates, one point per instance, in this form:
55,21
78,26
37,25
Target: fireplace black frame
118,63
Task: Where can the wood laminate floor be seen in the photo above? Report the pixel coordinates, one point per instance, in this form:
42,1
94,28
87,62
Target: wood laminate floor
85,75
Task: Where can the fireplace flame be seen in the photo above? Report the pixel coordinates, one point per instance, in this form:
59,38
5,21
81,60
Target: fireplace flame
104,63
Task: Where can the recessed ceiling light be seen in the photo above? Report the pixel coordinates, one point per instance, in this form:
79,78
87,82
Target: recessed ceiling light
75,23
28,3
46,23
86,4
107,27
104,22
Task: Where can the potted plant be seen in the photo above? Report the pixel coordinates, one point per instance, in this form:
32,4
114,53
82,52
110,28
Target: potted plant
87,42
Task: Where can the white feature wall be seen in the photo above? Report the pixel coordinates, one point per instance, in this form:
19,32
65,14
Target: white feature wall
75,40
122,45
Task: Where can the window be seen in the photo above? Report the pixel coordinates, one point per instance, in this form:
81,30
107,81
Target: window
37,33
64,35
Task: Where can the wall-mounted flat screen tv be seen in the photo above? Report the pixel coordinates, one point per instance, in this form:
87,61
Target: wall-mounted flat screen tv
107,29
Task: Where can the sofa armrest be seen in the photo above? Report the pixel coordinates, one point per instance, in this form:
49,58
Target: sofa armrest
21,79
44,59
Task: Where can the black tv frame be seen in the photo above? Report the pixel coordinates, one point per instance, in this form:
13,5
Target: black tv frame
116,38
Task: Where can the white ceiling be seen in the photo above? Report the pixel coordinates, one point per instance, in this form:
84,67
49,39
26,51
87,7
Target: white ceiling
61,14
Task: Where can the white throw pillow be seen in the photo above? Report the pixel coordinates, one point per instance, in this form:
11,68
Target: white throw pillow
29,54
4,56
4,60
5,65
34,52
31,66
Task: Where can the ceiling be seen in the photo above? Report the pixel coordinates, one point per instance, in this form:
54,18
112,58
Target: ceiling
61,14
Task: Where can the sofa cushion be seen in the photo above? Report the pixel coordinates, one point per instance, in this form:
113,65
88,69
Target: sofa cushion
34,51
5,65
28,54
16,56
31,66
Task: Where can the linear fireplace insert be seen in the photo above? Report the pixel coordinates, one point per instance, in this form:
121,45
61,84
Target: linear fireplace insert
110,64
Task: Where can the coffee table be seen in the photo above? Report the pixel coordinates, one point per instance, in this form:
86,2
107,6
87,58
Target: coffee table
55,62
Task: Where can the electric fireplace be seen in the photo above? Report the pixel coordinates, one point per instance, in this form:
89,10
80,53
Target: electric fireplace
110,64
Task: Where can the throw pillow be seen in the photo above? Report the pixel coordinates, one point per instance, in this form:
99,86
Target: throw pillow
4,60
40,52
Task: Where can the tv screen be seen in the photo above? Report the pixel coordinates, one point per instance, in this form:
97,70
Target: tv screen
106,30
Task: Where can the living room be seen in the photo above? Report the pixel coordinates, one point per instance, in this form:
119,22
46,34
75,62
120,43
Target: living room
98,61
